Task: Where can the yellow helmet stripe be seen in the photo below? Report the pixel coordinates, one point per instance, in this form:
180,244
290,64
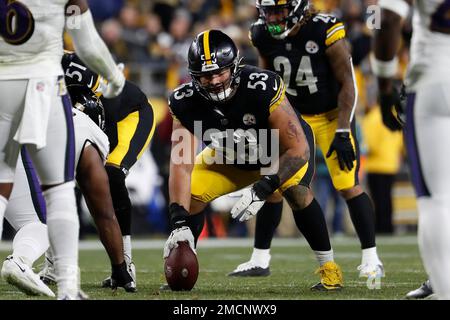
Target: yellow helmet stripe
206,47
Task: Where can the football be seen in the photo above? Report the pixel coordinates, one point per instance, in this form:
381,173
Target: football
181,268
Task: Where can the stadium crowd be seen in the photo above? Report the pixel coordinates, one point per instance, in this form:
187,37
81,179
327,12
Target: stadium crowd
152,38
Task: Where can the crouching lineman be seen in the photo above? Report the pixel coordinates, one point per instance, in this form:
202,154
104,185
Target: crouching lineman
129,125
309,51
26,210
231,103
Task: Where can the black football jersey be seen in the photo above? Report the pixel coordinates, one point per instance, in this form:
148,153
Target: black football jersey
131,99
301,60
236,129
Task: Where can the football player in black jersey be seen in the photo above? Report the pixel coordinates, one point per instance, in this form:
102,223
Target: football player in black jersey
233,109
309,51
129,125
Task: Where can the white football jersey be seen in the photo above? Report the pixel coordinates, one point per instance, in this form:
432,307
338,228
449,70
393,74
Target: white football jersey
31,44
87,132
430,46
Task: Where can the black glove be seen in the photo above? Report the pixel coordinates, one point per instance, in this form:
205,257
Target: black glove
178,216
396,100
266,186
344,150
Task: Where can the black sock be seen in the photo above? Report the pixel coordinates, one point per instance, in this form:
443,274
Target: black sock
196,223
311,223
120,198
363,218
123,216
267,221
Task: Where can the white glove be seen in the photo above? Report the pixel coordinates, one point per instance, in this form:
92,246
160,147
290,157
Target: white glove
247,206
179,235
113,88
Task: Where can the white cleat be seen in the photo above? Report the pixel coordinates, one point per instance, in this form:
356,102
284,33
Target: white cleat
20,275
250,269
371,271
425,291
48,272
80,295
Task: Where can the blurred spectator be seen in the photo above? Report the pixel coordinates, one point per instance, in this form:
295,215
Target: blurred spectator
105,9
111,32
176,45
135,36
165,9
383,162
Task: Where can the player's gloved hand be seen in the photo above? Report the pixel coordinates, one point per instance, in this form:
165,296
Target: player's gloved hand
115,86
397,100
254,197
179,235
344,150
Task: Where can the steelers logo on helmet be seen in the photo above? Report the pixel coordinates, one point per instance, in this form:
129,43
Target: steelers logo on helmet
281,16
213,60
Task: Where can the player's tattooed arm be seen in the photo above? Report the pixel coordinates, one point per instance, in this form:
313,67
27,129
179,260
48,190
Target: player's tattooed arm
294,149
340,60
182,159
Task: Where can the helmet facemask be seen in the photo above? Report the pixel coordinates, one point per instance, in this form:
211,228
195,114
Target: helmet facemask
222,91
84,100
292,13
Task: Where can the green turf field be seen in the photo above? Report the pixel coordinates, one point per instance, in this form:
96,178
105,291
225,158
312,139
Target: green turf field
292,267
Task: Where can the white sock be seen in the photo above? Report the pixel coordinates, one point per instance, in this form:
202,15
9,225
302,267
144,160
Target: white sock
127,248
63,228
434,239
30,242
3,204
324,256
261,257
370,256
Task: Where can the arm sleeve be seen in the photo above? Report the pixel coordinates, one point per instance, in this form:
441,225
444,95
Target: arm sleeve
90,47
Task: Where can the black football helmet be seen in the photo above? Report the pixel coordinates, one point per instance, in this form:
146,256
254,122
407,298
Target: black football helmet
87,102
76,72
211,52
296,13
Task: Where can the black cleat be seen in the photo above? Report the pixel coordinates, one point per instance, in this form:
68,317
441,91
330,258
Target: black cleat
123,276
113,284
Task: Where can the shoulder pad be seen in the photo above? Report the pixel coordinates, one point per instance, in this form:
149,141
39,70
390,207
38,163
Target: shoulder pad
179,97
266,85
332,28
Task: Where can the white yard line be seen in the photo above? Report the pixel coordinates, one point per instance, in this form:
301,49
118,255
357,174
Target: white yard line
241,243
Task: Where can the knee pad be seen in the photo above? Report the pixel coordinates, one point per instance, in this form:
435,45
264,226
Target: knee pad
61,203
